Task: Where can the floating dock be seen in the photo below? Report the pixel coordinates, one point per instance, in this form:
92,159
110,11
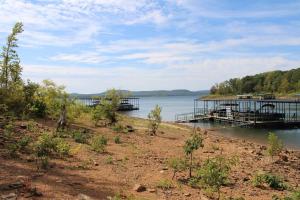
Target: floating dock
245,112
126,104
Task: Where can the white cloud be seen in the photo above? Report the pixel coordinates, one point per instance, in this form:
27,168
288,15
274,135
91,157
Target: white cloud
87,57
74,21
199,75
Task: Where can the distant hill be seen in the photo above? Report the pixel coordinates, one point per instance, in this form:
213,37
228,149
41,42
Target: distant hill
153,93
277,82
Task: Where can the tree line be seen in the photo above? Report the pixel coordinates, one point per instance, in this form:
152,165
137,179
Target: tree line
277,82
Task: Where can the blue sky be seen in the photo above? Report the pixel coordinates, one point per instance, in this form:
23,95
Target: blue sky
92,45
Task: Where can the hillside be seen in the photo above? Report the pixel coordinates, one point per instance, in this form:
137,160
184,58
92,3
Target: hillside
151,93
278,82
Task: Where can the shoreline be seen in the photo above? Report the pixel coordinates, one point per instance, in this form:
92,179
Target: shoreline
217,132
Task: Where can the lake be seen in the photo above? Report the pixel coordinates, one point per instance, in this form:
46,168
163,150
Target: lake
172,105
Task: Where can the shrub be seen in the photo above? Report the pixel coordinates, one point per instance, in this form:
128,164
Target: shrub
154,118
295,195
109,160
214,173
191,145
164,184
97,114
108,107
118,128
274,145
32,126
8,130
62,147
45,145
13,149
80,137
117,139
178,165
271,180
98,143
44,162
24,142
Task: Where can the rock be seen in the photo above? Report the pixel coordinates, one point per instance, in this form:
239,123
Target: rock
165,168
187,194
263,148
139,188
284,158
151,190
129,128
12,186
161,171
84,197
246,179
23,126
34,193
10,196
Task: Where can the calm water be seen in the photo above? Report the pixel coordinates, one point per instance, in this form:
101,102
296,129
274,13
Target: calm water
185,104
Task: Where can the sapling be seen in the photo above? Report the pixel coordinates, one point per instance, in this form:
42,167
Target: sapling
154,119
274,145
191,145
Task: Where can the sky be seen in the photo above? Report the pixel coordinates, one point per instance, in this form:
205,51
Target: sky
93,45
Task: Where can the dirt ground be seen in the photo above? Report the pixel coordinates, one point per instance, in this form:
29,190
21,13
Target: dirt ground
139,159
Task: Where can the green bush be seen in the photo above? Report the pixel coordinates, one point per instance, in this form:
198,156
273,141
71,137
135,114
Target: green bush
295,195
48,145
99,143
8,130
44,162
45,146
178,165
164,184
274,145
62,147
271,180
24,142
80,137
32,126
117,139
109,160
118,128
214,173
154,118
13,149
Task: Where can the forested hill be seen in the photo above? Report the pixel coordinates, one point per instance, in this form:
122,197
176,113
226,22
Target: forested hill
279,82
152,93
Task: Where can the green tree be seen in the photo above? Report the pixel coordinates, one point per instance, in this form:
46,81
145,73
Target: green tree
108,107
154,118
53,96
11,85
191,145
10,64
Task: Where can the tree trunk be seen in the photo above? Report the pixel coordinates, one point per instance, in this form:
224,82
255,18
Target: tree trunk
191,164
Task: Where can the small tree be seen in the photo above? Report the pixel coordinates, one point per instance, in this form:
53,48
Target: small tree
191,145
214,173
108,107
10,65
274,145
154,119
177,164
11,84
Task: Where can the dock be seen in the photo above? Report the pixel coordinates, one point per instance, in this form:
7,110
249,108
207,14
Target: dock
126,104
245,112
